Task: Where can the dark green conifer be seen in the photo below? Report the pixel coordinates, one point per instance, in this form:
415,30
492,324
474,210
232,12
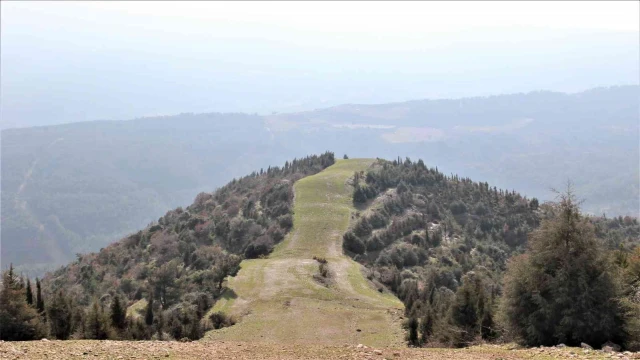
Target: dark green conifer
118,314
563,289
97,326
29,292
413,331
148,316
59,314
18,320
39,298
426,326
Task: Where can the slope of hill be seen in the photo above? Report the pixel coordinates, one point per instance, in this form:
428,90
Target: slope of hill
429,238
285,298
439,243
181,261
74,188
529,141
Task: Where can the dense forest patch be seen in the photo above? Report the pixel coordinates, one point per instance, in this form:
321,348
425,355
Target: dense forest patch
442,244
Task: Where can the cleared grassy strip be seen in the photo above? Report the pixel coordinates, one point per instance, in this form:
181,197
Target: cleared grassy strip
321,211
361,286
278,299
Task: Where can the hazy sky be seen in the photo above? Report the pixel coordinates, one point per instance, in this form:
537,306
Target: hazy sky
73,61
347,18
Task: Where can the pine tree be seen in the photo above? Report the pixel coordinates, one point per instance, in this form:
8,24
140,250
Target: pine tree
195,330
148,316
39,299
18,320
413,331
29,292
486,326
402,187
118,314
359,195
97,326
466,310
78,324
160,325
426,326
60,316
631,299
363,228
562,290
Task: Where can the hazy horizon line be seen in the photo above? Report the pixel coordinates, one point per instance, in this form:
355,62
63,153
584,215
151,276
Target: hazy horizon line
273,113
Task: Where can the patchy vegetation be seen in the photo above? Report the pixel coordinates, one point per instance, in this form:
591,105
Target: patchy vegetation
286,299
442,245
471,264
177,266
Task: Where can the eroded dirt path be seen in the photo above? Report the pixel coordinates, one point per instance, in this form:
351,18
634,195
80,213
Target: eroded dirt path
279,300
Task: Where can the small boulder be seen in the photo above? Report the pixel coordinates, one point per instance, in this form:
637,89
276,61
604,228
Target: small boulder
45,339
586,346
360,346
561,346
613,346
607,349
377,352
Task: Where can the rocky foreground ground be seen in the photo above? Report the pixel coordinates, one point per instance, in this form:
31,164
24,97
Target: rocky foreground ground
89,349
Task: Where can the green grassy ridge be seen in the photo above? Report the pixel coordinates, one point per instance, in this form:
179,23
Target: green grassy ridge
315,215
277,299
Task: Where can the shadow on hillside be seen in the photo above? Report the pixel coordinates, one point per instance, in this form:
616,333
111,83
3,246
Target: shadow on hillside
228,294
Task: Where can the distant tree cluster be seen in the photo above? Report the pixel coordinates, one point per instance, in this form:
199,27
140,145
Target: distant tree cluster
161,282
472,262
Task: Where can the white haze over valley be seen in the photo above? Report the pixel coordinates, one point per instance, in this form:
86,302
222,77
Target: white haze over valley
78,61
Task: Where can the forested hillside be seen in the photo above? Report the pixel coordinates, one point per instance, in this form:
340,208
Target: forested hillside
74,188
527,141
443,244
470,262
173,271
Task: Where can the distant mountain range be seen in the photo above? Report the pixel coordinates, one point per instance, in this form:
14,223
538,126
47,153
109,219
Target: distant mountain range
77,187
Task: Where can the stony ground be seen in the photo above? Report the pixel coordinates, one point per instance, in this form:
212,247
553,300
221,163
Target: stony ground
90,349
